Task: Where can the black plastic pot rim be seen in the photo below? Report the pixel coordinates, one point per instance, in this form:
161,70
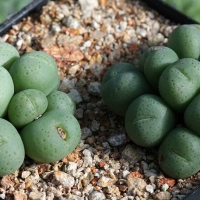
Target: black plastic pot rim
34,6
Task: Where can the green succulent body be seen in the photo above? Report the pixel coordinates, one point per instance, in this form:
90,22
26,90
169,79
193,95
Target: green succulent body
179,152
159,58
34,70
192,115
143,58
148,120
60,100
179,83
25,106
184,40
51,137
11,148
8,55
6,91
121,85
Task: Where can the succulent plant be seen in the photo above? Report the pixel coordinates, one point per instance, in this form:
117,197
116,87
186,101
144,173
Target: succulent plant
179,83
192,115
8,55
148,120
6,91
11,148
143,58
184,40
122,83
51,137
34,70
179,153
158,59
25,106
61,100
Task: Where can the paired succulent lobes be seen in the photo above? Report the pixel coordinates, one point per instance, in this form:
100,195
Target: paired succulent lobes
148,120
157,60
180,83
25,106
179,153
51,137
62,101
121,85
184,40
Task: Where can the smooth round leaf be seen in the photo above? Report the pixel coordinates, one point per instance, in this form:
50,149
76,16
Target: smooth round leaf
25,106
192,115
179,152
51,137
148,120
180,83
60,100
34,70
6,91
184,40
159,58
8,55
121,85
11,148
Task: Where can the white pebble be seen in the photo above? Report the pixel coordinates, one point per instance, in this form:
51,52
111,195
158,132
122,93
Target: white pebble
25,174
95,195
20,42
164,187
125,173
72,166
2,196
87,159
150,189
96,25
55,28
87,44
65,9
72,22
123,25
141,32
87,6
97,17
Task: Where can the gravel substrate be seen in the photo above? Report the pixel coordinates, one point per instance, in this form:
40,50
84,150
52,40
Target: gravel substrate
86,37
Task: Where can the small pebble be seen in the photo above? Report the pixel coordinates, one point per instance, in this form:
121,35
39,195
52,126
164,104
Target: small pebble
150,189
132,153
64,179
116,140
164,187
95,195
71,22
94,88
79,113
74,94
86,132
94,126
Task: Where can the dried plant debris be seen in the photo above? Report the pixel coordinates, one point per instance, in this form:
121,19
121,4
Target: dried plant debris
86,38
